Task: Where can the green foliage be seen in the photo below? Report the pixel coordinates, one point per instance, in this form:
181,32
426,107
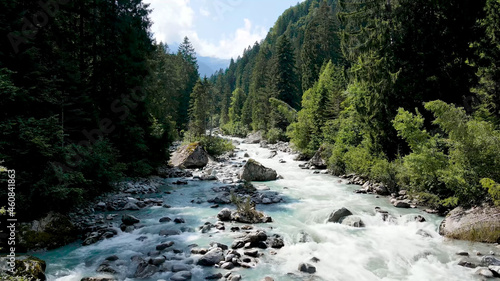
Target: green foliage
201,108
274,135
235,129
288,112
246,207
493,189
321,103
214,145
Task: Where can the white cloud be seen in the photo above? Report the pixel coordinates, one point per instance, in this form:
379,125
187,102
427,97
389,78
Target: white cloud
233,45
204,12
174,19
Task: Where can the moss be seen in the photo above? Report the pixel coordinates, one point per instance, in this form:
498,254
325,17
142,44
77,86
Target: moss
192,146
486,232
59,232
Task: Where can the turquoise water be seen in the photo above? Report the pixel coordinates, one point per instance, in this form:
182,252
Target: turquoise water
380,251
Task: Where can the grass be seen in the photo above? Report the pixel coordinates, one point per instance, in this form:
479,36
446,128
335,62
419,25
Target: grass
486,232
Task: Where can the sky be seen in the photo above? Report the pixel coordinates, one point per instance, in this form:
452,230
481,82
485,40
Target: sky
216,28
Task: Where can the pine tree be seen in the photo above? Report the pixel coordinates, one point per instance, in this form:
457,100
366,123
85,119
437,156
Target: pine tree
284,77
190,77
200,108
321,44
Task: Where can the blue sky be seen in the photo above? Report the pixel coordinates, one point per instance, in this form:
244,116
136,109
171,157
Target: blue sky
217,28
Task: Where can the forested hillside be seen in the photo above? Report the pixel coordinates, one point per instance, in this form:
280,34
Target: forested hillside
86,98
402,92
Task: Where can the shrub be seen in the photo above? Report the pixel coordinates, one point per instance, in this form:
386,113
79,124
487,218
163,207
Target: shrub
274,135
236,129
214,145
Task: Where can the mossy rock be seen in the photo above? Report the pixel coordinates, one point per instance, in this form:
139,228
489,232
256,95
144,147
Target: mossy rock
478,224
52,231
27,268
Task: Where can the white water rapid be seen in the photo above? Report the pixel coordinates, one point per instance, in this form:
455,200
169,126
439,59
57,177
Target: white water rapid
382,250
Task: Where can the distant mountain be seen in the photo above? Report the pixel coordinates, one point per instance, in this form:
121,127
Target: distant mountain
208,65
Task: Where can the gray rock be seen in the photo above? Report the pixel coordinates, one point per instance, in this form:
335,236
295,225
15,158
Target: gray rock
267,278
237,244
277,242
179,220
190,156
317,161
495,269
353,221
145,270
112,258
181,276
176,267
170,232
254,171
484,271
338,215
254,137
252,253
215,276
129,220
158,260
227,265
459,222
489,260
165,219
234,277
307,268
424,233
131,207
402,204
212,257
163,246
224,215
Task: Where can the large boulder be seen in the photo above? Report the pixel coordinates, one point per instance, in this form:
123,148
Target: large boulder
224,215
480,224
317,160
255,137
254,171
212,257
338,215
50,232
27,266
189,156
129,219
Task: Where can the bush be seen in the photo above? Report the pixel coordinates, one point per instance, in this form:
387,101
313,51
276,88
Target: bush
358,160
385,172
274,135
236,129
214,145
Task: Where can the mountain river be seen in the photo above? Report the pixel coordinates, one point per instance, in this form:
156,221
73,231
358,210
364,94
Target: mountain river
383,250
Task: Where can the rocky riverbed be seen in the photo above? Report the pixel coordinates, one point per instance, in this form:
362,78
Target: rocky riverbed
311,226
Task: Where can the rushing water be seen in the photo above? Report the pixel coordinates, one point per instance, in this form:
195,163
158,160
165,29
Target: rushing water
379,251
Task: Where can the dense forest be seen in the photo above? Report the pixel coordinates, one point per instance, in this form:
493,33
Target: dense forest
402,92
87,97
